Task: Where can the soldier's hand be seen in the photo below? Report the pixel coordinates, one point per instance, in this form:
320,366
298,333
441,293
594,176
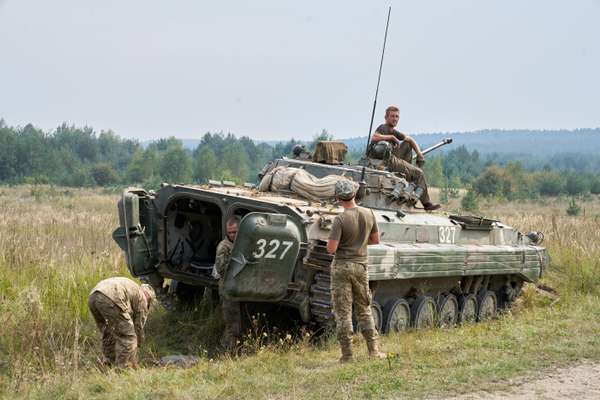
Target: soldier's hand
215,274
420,162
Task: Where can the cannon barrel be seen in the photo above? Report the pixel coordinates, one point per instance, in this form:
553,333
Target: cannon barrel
435,146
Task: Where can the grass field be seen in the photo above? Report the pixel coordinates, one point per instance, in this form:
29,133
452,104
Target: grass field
55,244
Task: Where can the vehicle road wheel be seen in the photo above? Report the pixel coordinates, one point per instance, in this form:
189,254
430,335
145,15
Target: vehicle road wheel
397,315
468,309
424,312
377,315
377,318
488,306
448,312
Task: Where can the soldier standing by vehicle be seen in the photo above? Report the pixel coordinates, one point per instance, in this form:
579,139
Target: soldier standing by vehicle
350,234
399,160
120,308
232,315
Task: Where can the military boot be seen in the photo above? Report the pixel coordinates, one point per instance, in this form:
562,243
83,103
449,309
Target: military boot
346,345
371,338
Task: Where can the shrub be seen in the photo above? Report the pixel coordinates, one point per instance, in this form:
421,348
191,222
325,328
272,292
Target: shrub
574,208
595,185
494,181
576,184
550,183
470,202
104,174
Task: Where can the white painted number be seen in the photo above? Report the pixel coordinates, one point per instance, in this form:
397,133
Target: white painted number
274,246
447,234
261,243
288,245
275,243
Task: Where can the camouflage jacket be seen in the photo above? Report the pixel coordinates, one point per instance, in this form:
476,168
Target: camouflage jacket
129,297
223,256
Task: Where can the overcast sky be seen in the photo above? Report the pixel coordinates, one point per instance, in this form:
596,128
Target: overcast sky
276,70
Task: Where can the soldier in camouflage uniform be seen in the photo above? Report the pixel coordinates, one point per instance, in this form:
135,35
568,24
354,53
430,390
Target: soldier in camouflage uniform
350,234
232,315
399,160
120,308
300,153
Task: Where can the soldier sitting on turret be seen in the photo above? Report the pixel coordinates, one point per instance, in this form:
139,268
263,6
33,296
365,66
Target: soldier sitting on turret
399,159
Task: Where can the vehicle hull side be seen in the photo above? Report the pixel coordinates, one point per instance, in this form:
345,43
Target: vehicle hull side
426,260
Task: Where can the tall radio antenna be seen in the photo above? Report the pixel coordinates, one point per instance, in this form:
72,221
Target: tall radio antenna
387,24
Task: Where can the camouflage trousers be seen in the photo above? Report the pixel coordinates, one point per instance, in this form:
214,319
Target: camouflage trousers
350,284
232,317
119,340
412,173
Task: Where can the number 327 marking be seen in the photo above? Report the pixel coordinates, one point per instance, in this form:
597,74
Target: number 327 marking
447,234
274,248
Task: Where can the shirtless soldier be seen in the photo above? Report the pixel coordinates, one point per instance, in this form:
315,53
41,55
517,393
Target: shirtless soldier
232,316
350,234
396,161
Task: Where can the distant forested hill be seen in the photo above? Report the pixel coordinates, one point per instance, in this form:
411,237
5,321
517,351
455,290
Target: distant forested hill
519,141
532,142
571,150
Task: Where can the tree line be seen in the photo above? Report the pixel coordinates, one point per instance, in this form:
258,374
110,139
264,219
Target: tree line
75,156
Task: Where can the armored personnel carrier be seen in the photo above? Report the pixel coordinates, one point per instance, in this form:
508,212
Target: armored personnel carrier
430,269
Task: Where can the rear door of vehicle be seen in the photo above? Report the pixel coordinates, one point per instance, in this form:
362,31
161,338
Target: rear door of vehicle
263,258
136,233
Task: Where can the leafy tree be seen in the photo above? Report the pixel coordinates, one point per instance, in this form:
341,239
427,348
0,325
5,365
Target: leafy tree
462,164
205,165
576,184
324,136
595,184
175,164
470,202
142,166
494,181
434,171
104,174
8,157
235,160
550,183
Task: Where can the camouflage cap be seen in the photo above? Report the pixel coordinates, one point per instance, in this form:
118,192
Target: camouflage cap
151,293
345,189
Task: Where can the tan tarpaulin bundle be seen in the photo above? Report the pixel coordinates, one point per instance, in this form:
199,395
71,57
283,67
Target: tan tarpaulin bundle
330,153
296,180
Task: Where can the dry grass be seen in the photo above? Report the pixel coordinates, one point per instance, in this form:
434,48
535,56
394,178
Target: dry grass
55,244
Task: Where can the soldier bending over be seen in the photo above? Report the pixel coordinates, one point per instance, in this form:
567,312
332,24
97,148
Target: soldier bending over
399,160
350,234
232,315
120,308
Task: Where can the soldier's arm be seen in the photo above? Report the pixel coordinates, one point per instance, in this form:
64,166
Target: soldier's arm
221,259
140,314
374,238
334,236
374,234
390,138
332,246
